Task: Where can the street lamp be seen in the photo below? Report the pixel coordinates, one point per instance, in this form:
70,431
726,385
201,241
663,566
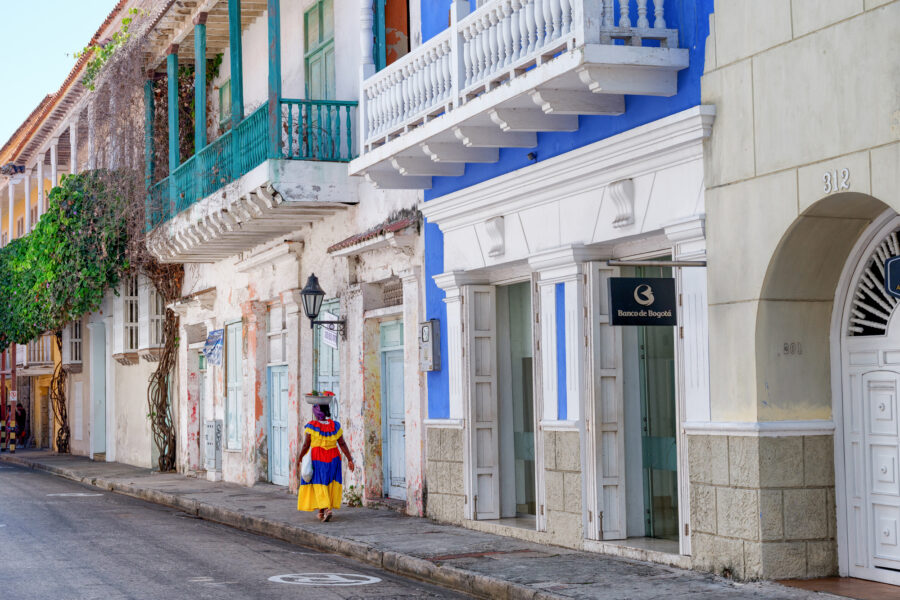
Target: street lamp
312,297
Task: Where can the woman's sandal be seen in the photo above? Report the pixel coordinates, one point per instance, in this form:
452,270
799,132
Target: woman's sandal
327,515
321,515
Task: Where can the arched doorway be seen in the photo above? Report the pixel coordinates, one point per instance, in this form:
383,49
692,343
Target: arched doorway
866,397
804,371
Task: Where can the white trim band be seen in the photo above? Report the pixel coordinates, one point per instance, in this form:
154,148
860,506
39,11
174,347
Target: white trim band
444,423
761,429
548,425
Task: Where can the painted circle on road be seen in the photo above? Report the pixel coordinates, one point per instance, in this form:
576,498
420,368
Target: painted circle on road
73,495
323,579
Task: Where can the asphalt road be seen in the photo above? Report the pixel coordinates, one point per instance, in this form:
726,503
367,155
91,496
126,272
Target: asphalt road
60,540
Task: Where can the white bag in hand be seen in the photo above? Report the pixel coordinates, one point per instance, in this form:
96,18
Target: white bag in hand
306,468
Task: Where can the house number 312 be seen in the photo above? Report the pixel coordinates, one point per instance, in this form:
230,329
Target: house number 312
835,182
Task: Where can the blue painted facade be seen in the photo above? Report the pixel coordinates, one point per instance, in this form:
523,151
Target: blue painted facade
690,17
561,395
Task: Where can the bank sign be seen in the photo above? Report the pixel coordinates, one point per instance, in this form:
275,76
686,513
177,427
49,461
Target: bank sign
892,276
642,301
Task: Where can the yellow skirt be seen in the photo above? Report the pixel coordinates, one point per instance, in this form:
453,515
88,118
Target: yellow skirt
314,496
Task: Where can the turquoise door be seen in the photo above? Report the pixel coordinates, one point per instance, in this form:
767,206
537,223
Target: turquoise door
279,465
393,410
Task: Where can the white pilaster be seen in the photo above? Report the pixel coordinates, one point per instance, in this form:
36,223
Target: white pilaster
28,174
12,207
40,178
54,162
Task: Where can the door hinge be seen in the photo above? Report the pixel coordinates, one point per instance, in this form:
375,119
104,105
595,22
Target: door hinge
687,530
537,345
681,332
465,499
542,510
590,517
585,341
679,299
537,317
600,522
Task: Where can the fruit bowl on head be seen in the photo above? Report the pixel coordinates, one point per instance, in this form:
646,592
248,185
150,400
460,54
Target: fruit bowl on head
320,397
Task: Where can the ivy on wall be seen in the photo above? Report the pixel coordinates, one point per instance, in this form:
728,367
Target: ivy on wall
63,268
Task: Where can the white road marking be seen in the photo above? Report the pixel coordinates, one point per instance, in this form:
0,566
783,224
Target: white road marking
73,495
325,579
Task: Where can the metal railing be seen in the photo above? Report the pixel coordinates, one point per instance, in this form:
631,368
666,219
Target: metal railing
310,130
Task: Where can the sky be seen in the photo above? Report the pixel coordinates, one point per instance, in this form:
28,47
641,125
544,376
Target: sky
38,40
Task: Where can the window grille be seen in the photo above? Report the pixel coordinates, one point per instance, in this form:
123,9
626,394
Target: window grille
392,292
20,227
75,342
34,216
157,318
276,333
130,302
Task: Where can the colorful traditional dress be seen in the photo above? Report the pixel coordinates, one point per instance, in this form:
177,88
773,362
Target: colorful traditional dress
324,490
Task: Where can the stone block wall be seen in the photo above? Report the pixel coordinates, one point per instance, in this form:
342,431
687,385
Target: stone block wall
562,478
763,507
445,497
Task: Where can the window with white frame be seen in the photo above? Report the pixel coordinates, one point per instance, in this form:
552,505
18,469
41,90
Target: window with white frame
157,318
34,215
131,316
20,227
75,342
276,334
5,239
233,380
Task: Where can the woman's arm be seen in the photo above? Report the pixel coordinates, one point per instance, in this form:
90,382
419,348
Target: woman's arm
305,449
343,446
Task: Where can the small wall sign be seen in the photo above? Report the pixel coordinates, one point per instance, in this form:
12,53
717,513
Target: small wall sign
213,347
642,301
892,276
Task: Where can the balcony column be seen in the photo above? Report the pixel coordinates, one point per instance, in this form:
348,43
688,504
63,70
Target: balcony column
40,179
149,142
54,162
27,229
92,159
172,83
174,150
12,207
459,10
274,14
366,69
199,82
73,146
236,61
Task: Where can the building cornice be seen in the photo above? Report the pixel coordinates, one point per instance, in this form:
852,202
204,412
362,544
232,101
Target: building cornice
662,144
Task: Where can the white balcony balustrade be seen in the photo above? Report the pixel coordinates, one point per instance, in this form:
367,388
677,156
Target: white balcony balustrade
509,69
35,357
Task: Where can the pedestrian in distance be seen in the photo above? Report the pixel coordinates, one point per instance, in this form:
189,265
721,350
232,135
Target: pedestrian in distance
324,436
21,425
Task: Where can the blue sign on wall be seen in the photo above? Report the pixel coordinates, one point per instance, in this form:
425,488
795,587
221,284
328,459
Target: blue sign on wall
213,347
892,276
642,301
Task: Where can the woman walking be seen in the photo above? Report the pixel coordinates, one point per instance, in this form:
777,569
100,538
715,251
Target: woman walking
323,438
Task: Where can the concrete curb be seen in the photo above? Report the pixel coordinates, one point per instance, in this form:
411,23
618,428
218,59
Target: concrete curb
406,565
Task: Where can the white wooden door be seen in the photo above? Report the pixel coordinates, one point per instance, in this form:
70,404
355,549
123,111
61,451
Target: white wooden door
279,467
605,419
234,378
395,424
98,388
480,329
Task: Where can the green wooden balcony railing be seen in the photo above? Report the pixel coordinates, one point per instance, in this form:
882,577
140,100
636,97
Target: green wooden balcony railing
320,130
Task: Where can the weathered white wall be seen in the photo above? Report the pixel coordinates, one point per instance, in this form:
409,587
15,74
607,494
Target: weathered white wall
793,102
133,440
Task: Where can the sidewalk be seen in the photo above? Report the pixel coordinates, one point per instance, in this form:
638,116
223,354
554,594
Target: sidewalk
478,563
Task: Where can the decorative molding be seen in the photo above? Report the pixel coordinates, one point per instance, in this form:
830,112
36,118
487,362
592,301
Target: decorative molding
444,423
457,279
563,263
402,242
494,228
552,425
622,195
286,250
759,429
126,358
665,143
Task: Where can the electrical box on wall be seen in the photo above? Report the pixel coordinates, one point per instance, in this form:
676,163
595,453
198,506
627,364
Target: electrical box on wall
430,345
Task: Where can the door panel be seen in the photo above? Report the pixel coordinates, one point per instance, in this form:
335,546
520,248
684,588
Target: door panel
480,324
279,469
394,409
